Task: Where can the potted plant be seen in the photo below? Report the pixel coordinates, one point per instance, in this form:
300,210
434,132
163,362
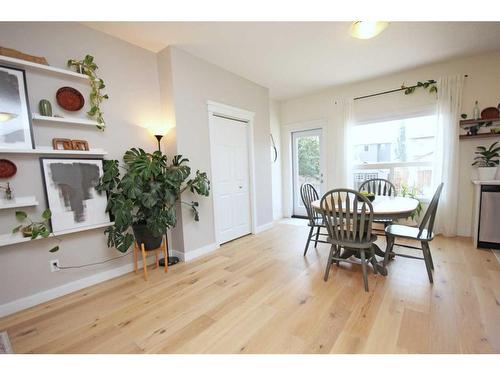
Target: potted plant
411,192
144,197
487,161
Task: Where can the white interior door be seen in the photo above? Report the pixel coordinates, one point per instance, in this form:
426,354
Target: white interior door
230,178
308,160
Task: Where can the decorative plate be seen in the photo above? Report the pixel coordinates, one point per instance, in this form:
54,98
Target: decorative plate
7,168
70,99
490,113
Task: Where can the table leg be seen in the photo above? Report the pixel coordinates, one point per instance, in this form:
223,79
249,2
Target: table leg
379,265
347,253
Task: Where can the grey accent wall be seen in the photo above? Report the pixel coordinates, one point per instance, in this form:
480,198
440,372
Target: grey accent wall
132,82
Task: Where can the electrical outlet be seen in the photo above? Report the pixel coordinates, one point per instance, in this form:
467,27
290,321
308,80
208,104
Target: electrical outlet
54,265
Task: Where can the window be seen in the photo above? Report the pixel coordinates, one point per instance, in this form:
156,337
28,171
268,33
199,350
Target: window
399,150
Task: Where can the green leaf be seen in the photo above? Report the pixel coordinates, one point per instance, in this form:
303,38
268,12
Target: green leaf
47,214
21,215
16,229
54,249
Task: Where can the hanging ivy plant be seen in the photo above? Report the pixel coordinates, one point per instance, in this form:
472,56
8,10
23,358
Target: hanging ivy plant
429,85
88,67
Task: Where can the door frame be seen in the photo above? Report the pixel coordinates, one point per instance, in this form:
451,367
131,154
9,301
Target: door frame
238,114
286,143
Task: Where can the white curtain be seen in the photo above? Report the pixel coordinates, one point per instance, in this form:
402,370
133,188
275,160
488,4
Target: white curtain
343,143
447,158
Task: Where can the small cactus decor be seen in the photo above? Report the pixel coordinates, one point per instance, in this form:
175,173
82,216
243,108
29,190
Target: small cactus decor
88,67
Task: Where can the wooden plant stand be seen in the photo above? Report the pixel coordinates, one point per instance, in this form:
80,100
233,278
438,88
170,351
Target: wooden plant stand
163,247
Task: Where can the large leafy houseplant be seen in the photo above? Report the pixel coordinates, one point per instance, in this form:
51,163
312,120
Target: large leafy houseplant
145,195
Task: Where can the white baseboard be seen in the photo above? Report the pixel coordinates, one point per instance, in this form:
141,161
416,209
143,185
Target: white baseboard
47,295
193,254
178,254
262,228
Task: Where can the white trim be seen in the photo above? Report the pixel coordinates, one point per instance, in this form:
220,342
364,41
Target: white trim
286,157
262,228
49,294
13,238
227,110
177,253
201,251
18,202
50,151
215,108
44,68
63,120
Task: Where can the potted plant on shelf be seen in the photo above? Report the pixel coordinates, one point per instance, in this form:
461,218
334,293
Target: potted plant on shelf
145,196
487,161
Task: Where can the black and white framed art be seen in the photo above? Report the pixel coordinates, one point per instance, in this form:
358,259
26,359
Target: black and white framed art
71,194
16,131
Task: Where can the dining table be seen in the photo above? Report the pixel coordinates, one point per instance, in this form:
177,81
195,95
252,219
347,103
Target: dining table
384,208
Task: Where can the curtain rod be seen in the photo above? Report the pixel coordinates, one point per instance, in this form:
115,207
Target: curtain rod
388,92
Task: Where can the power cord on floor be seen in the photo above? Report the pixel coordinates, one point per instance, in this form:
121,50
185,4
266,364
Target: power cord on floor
91,264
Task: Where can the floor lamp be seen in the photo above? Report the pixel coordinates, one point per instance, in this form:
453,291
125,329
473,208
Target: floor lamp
171,260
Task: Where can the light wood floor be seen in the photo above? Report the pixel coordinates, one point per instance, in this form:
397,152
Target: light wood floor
259,294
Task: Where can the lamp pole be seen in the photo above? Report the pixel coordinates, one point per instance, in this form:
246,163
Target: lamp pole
170,260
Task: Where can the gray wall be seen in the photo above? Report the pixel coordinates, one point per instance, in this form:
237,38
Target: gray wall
193,82
141,86
132,84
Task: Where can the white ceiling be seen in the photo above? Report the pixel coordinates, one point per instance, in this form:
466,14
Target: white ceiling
294,58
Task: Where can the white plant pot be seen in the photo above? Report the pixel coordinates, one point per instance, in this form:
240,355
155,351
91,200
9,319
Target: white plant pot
486,173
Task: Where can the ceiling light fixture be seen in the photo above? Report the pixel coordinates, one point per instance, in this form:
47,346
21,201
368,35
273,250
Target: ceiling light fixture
367,29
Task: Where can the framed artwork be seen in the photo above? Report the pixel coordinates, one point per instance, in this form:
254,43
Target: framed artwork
71,194
16,131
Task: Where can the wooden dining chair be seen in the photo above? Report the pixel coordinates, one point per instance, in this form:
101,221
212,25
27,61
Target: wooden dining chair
424,233
348,216
315,221
163,248
379,186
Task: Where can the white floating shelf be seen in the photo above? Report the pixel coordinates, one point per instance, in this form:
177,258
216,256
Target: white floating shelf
64,120
50,151
34,66
15,238
18,202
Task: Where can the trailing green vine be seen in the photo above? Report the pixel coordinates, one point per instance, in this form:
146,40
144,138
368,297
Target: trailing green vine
88,67
429,85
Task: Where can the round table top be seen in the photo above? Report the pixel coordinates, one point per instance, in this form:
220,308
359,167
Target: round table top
387,206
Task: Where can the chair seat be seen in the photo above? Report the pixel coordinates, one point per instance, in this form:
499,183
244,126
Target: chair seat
354,244
408,232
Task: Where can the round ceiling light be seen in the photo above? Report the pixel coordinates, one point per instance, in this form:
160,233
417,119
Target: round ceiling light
367,29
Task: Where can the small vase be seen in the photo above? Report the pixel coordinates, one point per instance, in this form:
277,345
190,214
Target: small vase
487,173
45,108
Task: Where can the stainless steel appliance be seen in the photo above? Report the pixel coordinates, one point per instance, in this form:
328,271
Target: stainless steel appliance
489,217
